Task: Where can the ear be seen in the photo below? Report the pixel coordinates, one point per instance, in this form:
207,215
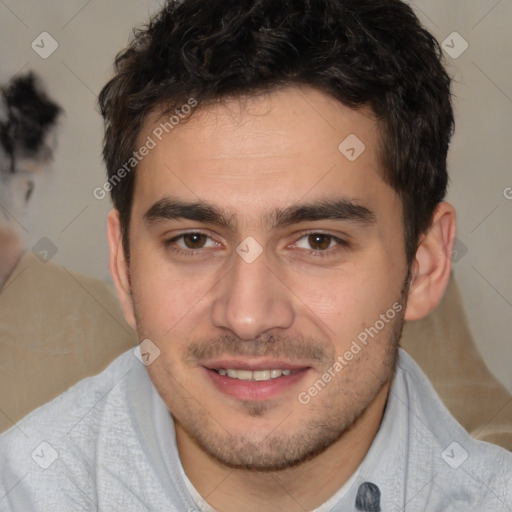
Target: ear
119,269
432,264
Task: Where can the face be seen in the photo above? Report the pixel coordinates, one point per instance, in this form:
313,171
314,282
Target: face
261,257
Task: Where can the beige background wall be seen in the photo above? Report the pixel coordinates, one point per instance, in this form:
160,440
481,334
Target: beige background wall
89,33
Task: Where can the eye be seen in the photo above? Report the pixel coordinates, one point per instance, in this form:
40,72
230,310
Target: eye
318,243
314,243
187,242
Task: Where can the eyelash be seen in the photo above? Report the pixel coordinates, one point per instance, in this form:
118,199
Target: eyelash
313,253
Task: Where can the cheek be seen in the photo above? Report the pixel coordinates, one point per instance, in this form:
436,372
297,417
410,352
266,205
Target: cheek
335,301
166,299
346,301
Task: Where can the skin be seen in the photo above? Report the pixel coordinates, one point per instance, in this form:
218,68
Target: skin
248,158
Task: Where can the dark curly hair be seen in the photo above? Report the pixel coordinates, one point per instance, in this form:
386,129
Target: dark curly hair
362,52
28,115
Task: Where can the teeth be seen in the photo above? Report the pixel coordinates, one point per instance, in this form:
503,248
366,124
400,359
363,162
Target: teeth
257,375
261,375
244,375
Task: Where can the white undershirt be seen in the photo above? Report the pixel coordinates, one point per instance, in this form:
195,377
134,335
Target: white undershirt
162,417
204,506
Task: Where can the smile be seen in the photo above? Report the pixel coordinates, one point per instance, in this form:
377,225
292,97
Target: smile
258,375
255,380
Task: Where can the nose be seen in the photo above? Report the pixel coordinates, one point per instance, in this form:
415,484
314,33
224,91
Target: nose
251,300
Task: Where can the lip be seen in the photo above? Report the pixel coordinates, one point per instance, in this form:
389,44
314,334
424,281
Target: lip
254,390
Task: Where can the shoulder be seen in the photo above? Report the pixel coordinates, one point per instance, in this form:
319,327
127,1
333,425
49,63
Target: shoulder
476,471
79,400
63,434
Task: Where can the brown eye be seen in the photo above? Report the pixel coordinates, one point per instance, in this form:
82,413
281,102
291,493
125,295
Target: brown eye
194,240
190,244
319,242
321,245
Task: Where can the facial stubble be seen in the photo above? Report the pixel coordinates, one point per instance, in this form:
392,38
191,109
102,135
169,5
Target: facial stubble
324,425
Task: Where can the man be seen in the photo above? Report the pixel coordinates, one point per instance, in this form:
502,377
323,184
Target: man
278,172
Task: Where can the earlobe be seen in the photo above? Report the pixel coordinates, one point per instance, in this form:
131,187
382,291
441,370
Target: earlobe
118,266
432,264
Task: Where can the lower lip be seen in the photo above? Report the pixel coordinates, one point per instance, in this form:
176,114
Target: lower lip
255,390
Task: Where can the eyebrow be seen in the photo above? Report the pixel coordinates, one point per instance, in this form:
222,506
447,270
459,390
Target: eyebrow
340,209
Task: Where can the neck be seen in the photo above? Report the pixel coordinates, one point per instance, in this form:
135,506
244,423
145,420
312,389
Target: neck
296,489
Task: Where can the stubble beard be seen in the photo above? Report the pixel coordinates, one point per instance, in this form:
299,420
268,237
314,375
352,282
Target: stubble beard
324,425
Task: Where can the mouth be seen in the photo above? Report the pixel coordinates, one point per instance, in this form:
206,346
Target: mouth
256,375
253,380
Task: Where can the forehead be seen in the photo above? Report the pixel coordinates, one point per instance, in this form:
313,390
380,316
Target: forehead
250,152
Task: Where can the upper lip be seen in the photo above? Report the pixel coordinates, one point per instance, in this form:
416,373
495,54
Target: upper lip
253,364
